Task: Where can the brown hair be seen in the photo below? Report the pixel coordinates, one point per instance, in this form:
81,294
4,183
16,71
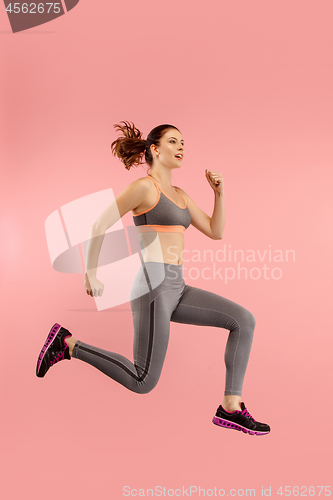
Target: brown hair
130,147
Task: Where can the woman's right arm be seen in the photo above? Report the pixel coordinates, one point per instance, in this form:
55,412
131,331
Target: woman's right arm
129,199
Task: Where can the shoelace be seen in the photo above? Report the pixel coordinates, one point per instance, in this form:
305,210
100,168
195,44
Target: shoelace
247,414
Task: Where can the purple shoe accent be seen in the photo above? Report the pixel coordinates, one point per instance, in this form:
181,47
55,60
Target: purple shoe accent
53,332
59,357
230,425
54,350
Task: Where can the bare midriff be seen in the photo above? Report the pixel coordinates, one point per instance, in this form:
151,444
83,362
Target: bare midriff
163,246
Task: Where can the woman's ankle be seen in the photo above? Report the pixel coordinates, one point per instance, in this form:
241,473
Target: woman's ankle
70,341
232,403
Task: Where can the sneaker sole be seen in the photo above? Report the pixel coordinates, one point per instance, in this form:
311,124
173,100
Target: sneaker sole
231,425
51,336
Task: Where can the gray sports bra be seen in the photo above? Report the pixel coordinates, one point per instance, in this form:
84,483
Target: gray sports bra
165,215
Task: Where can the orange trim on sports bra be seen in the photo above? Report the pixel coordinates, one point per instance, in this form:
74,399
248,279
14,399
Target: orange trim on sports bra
160,229
159,190
158,187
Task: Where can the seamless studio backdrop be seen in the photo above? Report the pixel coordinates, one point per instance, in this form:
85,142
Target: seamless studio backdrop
249,85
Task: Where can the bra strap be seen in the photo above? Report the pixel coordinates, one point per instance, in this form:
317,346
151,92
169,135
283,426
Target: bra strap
155,182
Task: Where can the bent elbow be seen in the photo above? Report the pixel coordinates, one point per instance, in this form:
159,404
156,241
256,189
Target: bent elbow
98,229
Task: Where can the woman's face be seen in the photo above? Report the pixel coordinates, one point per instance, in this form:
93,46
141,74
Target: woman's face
171,149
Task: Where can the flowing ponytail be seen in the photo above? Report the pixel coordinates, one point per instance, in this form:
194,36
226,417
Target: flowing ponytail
130,147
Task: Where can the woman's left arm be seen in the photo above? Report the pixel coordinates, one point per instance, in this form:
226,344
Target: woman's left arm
213,226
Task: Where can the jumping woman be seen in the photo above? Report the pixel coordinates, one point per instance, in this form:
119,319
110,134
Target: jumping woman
161,214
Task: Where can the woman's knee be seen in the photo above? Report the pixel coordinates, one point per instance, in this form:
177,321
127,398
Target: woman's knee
244,319
248,320
146,386
144,389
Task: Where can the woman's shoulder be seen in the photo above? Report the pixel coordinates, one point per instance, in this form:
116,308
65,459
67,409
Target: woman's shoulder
142,184
140,189
133,196
143,193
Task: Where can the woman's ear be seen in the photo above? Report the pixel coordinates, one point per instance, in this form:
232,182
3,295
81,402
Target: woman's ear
154,150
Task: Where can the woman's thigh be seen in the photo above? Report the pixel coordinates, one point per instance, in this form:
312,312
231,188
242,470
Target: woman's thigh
151,320
205,308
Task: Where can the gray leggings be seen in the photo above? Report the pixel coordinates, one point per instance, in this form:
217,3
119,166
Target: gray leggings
159,295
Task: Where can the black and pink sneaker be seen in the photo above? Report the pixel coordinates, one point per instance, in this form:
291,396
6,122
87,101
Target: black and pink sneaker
240,420
55,349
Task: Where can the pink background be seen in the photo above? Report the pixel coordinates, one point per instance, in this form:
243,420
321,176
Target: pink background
249,84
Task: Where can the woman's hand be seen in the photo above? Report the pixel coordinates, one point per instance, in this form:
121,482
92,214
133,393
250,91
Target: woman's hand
215,180
93,286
